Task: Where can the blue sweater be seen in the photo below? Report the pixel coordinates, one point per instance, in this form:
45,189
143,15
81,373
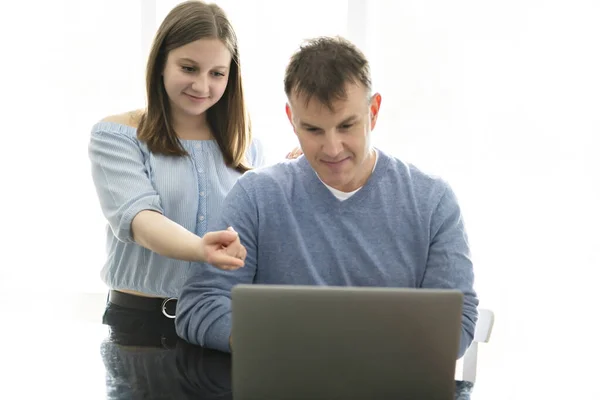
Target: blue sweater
402,229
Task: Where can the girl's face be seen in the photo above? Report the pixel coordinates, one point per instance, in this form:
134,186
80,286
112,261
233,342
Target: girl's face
196,75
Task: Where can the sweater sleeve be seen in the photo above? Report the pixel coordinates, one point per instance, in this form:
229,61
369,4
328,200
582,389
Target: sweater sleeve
449,263
204,306
121,179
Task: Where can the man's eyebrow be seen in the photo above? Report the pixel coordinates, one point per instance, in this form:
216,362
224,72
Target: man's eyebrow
348,120
351,118
307,125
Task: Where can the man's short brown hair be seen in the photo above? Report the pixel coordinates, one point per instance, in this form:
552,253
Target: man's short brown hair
323,66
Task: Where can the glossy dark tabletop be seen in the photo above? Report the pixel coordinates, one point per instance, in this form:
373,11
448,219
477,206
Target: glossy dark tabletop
62,359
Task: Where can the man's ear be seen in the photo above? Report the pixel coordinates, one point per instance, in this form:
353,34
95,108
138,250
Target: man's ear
374,109
288,111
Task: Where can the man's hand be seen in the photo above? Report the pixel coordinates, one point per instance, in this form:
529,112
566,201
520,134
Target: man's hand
223,249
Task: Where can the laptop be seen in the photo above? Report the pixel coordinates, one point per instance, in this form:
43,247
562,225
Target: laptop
324,342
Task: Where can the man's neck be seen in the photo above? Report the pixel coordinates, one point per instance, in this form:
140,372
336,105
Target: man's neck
369,167
371,161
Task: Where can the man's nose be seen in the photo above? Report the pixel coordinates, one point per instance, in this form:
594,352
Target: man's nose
333,145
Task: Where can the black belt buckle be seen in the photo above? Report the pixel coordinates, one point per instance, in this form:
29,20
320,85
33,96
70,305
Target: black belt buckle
164,307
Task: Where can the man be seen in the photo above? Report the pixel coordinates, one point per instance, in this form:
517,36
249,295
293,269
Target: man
343,214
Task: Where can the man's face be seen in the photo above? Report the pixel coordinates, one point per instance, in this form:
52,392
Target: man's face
337,143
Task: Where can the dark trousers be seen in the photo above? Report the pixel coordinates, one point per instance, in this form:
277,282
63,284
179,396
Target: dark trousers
133,327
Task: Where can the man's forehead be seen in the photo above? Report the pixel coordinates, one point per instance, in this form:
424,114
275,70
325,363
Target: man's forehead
319,114
313,108
350,91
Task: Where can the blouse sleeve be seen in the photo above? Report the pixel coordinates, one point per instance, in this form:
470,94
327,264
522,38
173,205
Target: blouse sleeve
121,179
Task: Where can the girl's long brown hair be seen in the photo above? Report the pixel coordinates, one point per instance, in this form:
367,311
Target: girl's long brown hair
228,118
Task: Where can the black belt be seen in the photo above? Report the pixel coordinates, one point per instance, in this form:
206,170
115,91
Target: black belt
166,305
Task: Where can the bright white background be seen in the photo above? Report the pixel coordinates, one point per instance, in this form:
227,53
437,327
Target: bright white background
500,98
